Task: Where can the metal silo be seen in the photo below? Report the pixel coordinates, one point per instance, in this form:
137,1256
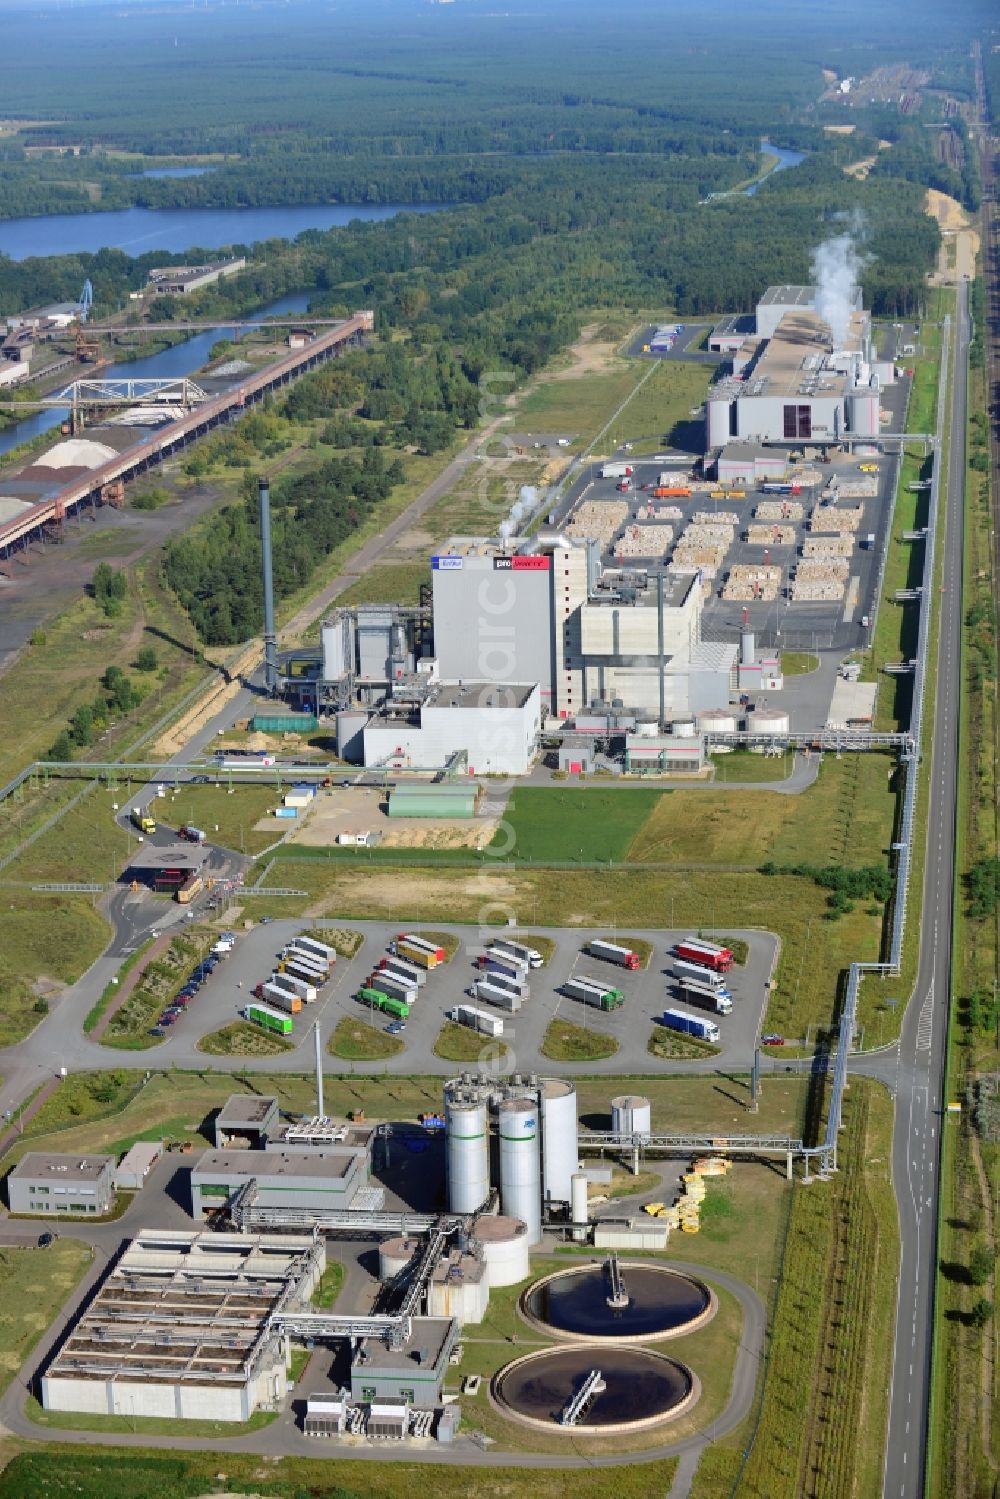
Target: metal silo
468,1160
631,1114
520,1164
560,1153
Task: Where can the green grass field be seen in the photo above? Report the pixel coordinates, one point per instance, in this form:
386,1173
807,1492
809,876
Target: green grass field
354,1041
45,941
581,405
34,1283
567,825
457,1043
241,1039
566,1042
226,815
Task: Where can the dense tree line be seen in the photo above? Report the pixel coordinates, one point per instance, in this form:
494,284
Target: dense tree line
215,571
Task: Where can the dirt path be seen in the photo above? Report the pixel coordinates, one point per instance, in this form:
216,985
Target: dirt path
957,229
128,986
15,1131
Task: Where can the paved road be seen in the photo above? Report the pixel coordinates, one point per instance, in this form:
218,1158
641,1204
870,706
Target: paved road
921,1054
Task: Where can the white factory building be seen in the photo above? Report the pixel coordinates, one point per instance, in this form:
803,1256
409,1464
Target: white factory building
793,380
181,1327
543,610
494,727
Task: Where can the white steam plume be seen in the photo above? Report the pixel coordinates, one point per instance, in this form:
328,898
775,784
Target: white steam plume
836,268
523,507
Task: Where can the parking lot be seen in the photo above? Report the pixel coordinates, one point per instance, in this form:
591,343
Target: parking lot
647,993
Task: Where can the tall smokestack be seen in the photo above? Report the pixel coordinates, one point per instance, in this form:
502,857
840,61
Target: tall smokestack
270,638
320,1110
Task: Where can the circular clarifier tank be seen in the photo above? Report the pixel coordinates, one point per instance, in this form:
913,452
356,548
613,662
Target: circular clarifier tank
634,1389
645,1304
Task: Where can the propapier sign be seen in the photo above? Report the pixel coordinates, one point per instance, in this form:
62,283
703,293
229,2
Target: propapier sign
521,564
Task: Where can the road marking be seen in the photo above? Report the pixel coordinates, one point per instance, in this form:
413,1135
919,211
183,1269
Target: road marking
925,1024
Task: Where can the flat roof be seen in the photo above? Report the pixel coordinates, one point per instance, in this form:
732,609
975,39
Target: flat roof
314,1163
429,1336
84,1168
246,1108
792,361
142,1155
188,1308
853,702
676,587
734,322
788,296
480,695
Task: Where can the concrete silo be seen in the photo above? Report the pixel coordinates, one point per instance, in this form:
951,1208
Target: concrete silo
560,1152
468,1156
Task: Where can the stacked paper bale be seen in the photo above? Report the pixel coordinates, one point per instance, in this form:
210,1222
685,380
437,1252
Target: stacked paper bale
748,581
779,510
644,541
831,519
599,519
820,580
771,536
840,544
715,518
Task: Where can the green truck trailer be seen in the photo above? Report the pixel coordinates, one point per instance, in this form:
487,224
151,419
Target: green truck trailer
379,1001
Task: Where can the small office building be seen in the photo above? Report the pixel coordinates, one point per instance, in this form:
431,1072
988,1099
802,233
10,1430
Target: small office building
245,1121
321,1180
48,1184
411,1375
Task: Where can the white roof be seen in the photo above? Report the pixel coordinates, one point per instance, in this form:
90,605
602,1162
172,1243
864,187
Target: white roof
852,702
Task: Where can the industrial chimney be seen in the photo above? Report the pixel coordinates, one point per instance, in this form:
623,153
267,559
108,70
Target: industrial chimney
270,638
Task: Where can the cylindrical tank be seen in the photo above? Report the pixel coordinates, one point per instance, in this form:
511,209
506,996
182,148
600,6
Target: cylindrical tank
748,648
560,1154
863,408
685,728
459,1289
578,1204
350,735
520,1164
647,728
504,1242
717,721
767,721
468,1159
718,423
631,1114
394,1255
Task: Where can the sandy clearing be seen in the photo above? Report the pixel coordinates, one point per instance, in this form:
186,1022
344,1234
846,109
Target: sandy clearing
590,355
362,811
860,169
955,223
839,129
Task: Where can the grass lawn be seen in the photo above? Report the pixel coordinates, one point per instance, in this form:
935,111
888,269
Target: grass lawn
46,941
241,1039
396,581
457,1043
226,814
446,940
742,765
671,1044
34,1283
331,1282
344,941
85,845
845,818
798,663
582,405
560,825
566,1042
148,1473
357,1042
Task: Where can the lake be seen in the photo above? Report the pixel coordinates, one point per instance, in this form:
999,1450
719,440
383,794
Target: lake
177,230
785,160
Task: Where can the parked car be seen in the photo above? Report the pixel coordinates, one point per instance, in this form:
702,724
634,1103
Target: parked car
44,1240
395,1026
772,1040
156,1030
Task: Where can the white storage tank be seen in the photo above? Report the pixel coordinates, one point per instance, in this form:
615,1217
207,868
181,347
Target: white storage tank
395,1255
351,735
685,728
560,1153
767,721
718,423
647,728
467,1155
504,1242
717,721
578,1205
631,1114
863,409
520,1163
459,1288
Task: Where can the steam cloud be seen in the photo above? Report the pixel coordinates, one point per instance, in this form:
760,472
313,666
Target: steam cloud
836,268
525,504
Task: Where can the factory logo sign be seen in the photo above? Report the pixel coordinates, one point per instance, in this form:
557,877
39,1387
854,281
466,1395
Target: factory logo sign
440,563
521,564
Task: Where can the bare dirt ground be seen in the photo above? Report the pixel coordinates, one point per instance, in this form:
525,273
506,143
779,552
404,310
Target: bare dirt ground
957,227
364,811
588,356
860,169
838,129
391,890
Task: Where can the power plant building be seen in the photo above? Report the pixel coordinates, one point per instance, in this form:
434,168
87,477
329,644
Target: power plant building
493,727
321,1179
795,381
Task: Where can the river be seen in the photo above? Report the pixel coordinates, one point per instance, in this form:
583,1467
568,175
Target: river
177,230
785,160
181,359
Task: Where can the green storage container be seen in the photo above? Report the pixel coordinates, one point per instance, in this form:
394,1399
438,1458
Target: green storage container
285,723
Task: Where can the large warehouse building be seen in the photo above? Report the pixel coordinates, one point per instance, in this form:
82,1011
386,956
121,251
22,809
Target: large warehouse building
792,380
182,1328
